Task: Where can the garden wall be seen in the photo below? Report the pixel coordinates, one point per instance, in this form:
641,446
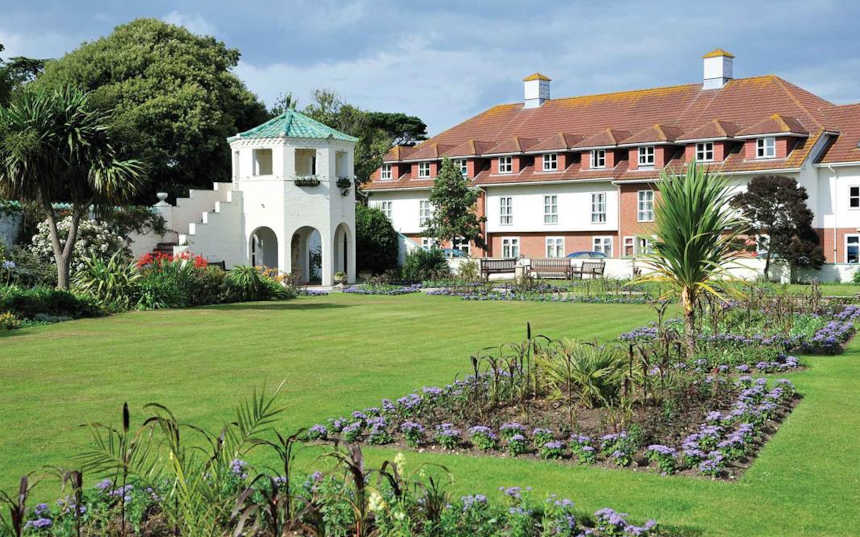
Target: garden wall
9,227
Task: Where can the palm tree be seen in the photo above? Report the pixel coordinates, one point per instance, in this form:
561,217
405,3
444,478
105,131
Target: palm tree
54,147
697,237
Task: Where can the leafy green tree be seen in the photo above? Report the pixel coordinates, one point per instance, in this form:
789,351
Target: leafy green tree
55,147
284,102
697,233
15,72
774,207
174,98
376,131
453,200
375,241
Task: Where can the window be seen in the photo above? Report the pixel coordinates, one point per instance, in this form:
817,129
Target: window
598,208
643,245
236,165
428,243
462,245
506,211
762,244
854,197
598,158
555,246
645,207
424,212
461,164
506,164
629,250
262,162
852,248
646,156
550,209
423,169
705,151
550,162
602,244
510,246
385,173
765,147
384,206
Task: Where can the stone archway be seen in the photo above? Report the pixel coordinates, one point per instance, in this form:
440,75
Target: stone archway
342,249
306,254
263,248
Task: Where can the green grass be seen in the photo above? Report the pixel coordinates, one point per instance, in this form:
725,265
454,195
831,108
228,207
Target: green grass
343,352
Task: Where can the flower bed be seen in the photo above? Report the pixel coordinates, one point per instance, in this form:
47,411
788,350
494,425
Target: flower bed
382,289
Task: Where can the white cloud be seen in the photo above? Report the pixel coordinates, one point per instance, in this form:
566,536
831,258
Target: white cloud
195,24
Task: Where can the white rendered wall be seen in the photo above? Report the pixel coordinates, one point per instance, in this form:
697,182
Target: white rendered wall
573,201
404,208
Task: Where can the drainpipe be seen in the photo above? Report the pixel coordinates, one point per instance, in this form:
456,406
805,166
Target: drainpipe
835,197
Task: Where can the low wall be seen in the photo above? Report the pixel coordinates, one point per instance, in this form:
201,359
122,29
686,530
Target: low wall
10,224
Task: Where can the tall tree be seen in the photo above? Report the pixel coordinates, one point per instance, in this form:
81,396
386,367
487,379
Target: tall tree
174,97
376,243
54,147
774,207
15,72
376,131
284,102
696,240
453,200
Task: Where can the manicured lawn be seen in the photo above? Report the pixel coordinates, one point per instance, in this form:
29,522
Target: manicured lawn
343,352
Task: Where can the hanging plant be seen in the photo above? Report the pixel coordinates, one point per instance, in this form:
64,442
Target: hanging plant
344,184
307,180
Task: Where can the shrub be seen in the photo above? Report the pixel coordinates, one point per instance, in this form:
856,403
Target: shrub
376,241
95,239
8,321
20,266
553,449
111,282
423,265
518,444
35,301
856,278
482,437
246,283
468,271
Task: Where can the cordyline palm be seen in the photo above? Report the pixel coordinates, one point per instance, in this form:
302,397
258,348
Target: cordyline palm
54,147
697,234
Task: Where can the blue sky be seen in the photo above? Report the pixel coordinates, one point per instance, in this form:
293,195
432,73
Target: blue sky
452,60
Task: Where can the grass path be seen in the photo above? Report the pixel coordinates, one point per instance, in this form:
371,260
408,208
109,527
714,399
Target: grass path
343,352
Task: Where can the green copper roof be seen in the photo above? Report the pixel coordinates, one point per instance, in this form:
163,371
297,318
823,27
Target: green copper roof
292,124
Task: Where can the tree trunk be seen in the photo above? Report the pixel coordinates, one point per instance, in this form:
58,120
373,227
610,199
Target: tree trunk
688,304
767,264
63,252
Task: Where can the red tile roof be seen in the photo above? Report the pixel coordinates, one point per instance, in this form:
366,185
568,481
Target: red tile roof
514,144
557,142
604,138
654,134
847,145
716,129
774,124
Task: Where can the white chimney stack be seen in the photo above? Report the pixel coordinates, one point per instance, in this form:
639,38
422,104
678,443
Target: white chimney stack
535,90
717,68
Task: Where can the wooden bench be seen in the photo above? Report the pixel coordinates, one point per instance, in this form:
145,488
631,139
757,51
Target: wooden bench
497,266
551,268
591,268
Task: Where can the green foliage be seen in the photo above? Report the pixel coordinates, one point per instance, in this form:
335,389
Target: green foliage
245,282
110,282
453,201
43,301
20,266
468,271
591,373
421,264
174,97
856,277
376,241
376,131
93,239
8,321
15,73
775,206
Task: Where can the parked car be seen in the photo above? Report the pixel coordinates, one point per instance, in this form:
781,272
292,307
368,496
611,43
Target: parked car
587,255
452,252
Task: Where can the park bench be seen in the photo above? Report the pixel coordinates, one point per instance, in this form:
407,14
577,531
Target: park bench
591,268
497,266
551,268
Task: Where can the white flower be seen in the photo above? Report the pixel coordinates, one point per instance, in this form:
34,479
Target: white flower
375,503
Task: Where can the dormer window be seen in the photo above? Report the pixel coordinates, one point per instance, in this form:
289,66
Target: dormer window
705,151
385,173
423,169
598,158
461,165
646,156
550,162
765,147
506,164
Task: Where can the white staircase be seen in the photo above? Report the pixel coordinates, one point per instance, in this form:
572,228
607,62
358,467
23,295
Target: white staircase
212,219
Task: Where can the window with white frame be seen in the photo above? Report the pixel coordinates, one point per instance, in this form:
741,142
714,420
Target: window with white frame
598,158
645,206
598,208
852,248
506,211
550,209
385,172
765,147
705,151
506,164
602,244
646,156
644,245
423,169
550,162
382,205
428,243
425,211
854,197
555,246
510,246
460,164
629,247
463,245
